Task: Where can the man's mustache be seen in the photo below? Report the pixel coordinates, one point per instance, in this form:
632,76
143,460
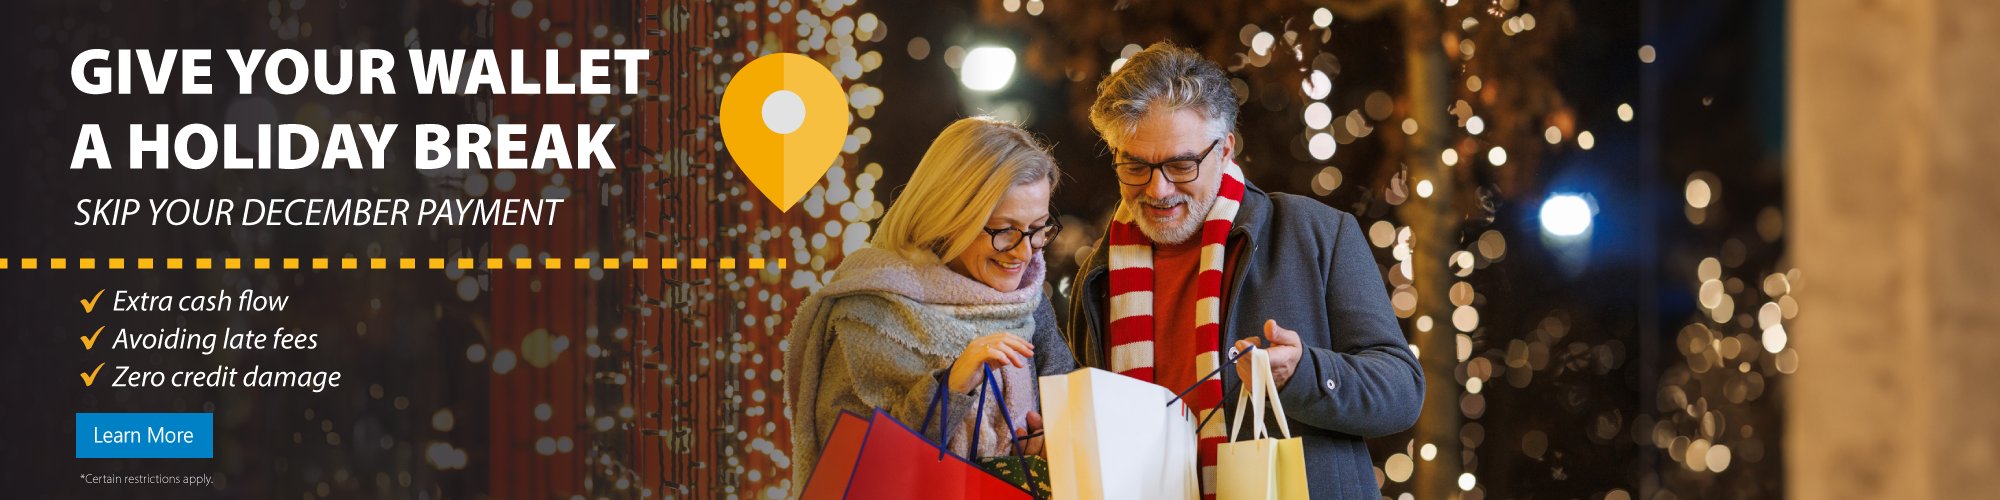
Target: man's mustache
1176,199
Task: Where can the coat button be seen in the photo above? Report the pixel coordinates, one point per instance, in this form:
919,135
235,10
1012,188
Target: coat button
1329,384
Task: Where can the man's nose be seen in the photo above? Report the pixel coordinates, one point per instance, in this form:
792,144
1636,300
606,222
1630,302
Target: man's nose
1159,188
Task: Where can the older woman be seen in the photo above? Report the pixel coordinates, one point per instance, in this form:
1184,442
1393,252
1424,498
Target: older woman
952,281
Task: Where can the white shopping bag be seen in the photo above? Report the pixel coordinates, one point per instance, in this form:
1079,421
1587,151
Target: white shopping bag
1113,437
1260,468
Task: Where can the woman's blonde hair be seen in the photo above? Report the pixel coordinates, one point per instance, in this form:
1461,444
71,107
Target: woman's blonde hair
956,186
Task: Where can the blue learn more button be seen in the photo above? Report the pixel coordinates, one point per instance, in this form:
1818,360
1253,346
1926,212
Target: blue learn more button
145,435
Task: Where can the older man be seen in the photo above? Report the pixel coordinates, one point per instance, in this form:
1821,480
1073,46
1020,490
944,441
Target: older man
1196,258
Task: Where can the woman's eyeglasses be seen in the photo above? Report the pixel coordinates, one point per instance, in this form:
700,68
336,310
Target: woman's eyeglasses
1037,237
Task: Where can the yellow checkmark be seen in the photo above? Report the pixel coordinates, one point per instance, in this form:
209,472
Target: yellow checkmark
92,303
90,378
91,341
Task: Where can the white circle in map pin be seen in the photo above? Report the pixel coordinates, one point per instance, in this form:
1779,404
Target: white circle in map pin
784,112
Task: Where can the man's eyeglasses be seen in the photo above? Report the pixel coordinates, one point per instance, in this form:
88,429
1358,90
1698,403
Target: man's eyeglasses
1037,237
1139,173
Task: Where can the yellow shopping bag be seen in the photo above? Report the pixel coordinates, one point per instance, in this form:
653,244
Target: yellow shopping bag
1260,468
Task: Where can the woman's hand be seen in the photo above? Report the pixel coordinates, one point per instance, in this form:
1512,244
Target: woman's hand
996,350
1032,446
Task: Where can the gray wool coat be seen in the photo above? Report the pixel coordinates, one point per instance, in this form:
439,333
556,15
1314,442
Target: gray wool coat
1307,266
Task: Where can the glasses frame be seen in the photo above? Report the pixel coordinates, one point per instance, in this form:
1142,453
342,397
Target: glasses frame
1028,235
1161,167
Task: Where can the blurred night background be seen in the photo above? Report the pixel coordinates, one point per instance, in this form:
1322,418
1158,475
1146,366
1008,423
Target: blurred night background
1630,357
1653,250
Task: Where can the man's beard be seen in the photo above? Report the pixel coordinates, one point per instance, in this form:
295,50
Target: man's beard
1172,232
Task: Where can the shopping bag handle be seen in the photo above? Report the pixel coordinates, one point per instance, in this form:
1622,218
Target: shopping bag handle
941,405
1244,398
938,400
1271,388
1253,394
1211,375
980,414
979,418
1218,371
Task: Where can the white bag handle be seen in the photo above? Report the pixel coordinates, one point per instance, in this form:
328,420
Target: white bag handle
1253,393
1263,368
1243,399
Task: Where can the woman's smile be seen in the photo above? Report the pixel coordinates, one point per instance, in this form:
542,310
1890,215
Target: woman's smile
1006,268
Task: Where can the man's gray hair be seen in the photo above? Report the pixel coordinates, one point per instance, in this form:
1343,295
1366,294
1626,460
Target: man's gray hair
1164,78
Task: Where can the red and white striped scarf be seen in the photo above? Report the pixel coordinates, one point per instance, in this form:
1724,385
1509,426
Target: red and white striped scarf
1131,328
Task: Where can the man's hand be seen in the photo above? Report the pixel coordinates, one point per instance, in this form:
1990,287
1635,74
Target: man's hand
1284,350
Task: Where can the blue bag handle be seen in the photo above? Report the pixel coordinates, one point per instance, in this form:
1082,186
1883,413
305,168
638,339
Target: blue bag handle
1019,458
1218,371
938,400
1004,416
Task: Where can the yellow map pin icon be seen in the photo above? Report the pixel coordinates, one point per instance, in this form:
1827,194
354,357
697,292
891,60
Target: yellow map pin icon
784,119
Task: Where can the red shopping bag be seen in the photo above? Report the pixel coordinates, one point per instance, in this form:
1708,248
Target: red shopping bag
836,463
879,458
897,463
